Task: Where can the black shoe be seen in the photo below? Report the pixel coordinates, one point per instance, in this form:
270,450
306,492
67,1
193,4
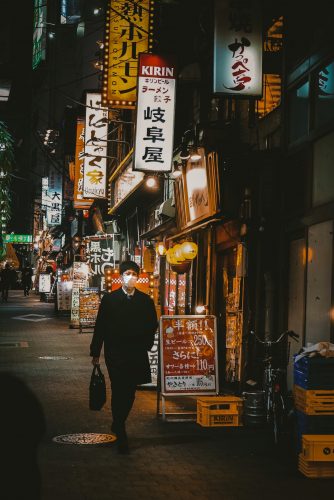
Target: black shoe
123,445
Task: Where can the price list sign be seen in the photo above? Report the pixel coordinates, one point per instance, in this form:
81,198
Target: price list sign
188,354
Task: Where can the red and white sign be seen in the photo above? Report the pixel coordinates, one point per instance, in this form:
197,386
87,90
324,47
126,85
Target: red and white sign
155,114
238,48
188,347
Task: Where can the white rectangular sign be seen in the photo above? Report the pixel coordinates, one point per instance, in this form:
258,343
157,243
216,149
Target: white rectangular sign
44,285
95,159
155,114
238,48
55,195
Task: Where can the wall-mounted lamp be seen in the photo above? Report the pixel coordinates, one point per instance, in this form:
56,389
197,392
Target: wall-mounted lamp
201,309
177,170
151,182
195,156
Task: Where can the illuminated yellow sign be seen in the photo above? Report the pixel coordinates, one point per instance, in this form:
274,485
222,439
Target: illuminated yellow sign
128,32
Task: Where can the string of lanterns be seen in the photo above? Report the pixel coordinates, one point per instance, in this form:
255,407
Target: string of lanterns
179,256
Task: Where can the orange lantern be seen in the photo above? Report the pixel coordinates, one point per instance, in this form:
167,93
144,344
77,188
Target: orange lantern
189,250
170,256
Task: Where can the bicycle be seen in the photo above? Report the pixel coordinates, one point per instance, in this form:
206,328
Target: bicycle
273,380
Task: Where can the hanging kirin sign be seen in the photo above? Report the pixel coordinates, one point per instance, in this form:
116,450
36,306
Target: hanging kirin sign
128,33
155,114
95,156
238,48
78,201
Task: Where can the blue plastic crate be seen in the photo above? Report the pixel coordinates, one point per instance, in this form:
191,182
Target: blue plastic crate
318,365
311,424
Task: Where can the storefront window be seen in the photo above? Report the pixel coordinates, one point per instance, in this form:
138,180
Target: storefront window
324,95
298,111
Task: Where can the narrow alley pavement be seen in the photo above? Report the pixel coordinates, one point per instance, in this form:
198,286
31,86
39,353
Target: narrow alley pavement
168,460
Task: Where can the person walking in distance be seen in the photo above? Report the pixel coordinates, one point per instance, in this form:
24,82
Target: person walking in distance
5,282
126,324
26,279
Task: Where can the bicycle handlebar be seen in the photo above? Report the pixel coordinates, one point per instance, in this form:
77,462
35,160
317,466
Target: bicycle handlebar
289,333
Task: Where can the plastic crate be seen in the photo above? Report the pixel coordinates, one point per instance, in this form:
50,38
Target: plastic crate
314,373
311,424
224,411
318,448
313,396
315,469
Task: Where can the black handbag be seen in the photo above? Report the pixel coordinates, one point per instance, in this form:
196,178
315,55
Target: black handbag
97,389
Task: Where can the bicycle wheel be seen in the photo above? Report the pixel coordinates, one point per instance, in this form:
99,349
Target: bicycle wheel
277,416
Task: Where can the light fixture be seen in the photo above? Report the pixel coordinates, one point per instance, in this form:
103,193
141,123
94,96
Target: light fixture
177,171
161,249
200,309
195,156
184,155
96,11
51,35
151,182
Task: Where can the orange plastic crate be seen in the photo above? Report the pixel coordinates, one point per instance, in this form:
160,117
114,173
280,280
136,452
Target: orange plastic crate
318,447
315,469
224,411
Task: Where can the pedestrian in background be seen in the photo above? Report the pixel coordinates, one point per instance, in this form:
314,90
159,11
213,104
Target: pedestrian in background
6,276
26,279
126,324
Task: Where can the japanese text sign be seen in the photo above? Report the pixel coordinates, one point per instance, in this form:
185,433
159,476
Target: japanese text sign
127,34
95,159
79,202
155,114
55,197
238,48
100,254
188,354
18,238
44,283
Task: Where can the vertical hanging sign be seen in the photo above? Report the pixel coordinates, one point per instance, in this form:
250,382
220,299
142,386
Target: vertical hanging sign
55,193
238,48
79,202
95,156
155,114
128,32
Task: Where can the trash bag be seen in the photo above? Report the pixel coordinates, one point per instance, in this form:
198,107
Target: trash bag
97,389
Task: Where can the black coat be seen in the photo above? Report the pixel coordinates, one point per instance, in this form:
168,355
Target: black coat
126,328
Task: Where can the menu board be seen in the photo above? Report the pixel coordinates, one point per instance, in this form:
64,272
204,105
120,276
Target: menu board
80,280
64,295
88,307
44,285
188,347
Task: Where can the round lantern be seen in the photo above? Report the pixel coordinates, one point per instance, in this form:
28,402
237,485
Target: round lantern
179,257
189,250
170,256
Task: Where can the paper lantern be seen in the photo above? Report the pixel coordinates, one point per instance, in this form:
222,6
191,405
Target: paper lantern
178,255
170,256
189,250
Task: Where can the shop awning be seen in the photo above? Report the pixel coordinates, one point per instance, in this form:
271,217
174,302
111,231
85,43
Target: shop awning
168,226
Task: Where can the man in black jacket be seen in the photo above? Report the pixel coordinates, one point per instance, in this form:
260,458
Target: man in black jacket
126,324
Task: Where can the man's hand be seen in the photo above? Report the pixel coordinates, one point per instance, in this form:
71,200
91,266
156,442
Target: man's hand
95,360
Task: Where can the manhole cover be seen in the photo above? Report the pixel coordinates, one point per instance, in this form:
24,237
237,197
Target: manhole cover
53,357
88,438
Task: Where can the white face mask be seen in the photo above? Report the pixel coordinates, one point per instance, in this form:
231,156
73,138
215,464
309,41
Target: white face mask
129,280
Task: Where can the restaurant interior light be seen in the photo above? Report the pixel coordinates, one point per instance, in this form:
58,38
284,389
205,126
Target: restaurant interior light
151,182
200,309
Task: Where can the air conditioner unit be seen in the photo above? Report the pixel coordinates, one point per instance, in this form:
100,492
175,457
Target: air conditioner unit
166,208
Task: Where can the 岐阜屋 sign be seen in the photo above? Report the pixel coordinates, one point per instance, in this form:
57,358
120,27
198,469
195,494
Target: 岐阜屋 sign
188,347
238,48
155,114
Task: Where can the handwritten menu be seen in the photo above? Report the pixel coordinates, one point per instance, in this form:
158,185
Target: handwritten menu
89,306
188,354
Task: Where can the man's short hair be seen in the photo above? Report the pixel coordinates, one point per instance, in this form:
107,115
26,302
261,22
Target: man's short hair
129,264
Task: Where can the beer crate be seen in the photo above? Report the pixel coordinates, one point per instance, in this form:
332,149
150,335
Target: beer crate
315,469
223,411
314,402
311,424
314,373
318,447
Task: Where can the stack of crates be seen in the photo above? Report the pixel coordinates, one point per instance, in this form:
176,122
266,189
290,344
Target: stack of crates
317,456
222,411
314,404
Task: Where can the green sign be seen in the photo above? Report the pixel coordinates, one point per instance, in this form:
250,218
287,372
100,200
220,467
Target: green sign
39,33
18,238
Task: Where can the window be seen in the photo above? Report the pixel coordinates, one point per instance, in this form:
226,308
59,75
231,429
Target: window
324,95
298,111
